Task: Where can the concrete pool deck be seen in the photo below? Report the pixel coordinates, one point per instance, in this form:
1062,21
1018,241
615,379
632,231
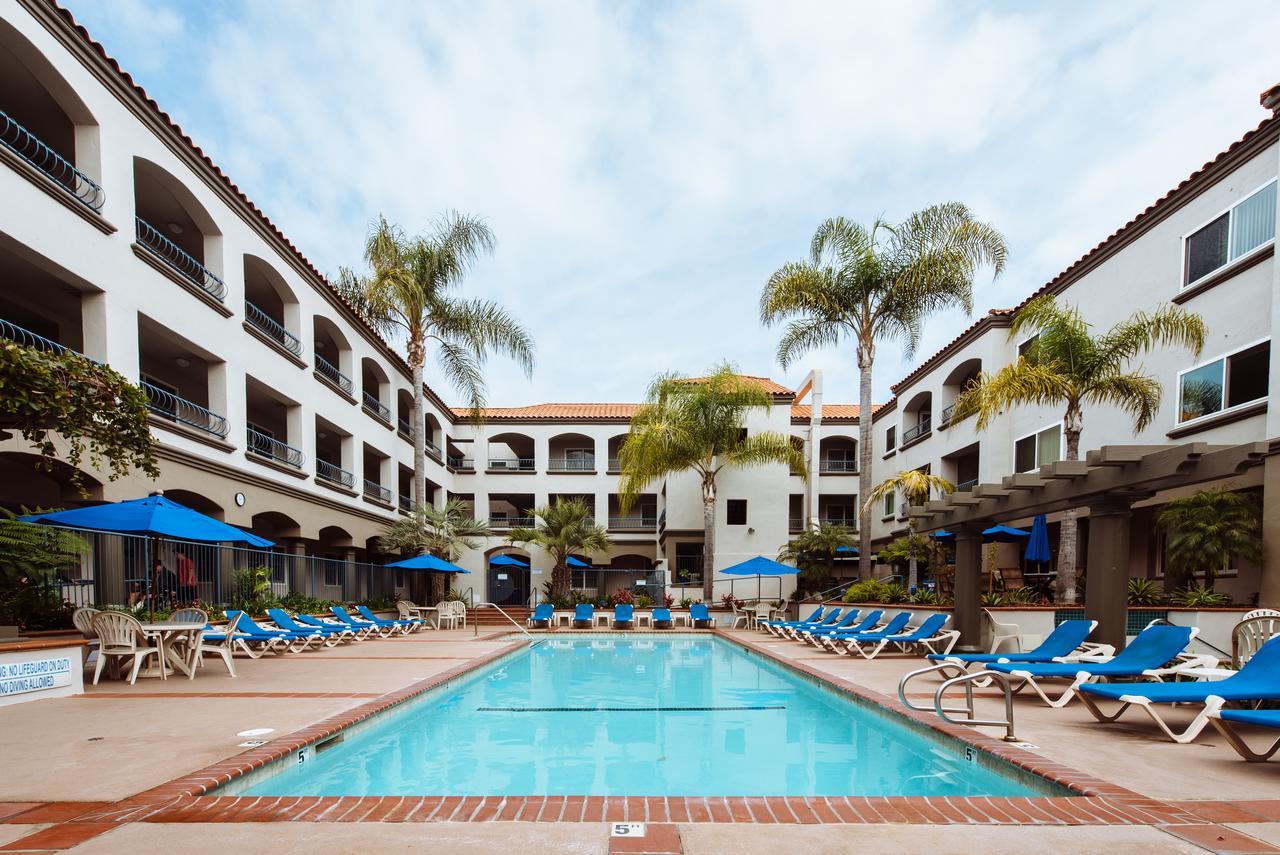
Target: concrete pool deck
100,773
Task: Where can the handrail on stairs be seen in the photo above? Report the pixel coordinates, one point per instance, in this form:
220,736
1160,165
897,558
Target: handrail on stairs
476,623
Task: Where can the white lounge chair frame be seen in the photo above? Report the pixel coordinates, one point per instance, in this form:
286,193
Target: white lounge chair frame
1235,740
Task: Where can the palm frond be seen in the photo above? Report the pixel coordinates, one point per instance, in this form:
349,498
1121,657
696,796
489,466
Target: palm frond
1136,394
1167,326
481,326
759,449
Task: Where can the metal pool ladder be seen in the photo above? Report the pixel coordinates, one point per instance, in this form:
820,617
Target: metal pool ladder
981,679
476,623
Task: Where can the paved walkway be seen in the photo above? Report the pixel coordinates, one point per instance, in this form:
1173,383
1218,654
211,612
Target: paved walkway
88,764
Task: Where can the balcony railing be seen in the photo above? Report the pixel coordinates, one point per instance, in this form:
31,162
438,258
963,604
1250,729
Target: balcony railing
27,338
376,408
501,521
462,464
327,471
169,406
517,464
27,146
571,464
615,465
963,486
945,418
176,259
795,523
330,372
274,330
377,492
916,431
432,449
838,465
662,519
407,504
633,523
405,428
261,444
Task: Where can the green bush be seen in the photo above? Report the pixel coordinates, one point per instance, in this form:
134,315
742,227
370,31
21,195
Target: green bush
993,598
924,597
300,603
644,602
252,591
1199,596
1144,592
1020,596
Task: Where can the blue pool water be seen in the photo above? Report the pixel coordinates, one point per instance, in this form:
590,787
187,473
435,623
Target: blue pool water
690,716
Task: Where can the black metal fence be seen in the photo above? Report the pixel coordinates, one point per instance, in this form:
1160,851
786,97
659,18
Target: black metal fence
121,570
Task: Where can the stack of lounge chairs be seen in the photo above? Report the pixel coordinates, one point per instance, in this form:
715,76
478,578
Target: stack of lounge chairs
851,632
286,633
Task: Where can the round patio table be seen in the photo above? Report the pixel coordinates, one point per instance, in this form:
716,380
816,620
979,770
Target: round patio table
165,632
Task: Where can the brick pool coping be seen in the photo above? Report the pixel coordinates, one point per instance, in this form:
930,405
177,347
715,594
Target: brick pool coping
184,799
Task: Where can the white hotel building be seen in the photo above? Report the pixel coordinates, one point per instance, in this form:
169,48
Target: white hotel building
277,409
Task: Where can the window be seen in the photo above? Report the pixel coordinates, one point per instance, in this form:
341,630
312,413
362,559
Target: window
1028,346
1230,381
688,564
845,515
737,512
1038,449
332,579
889,504
891,438
1233,234
579,459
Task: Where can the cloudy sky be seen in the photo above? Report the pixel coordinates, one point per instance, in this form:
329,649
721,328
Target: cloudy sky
646,165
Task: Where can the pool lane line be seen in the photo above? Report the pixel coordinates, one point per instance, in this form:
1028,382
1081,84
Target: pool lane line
629,709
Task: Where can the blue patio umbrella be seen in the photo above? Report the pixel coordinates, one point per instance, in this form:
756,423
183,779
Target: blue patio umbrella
1003,534
942,534
1038,546
577,563
761,567
507,561
427,562
847,550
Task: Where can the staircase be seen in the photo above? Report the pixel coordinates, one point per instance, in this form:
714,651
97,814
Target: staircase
492,618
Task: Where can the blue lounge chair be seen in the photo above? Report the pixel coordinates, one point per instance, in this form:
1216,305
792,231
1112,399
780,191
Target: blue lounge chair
1144,658
356,623
1225,721
406,625
845,643
356,633
698,614
847,621
330,635
868,623
775,626
623,613
830,621
541,616
256,640
1065,639
1257,680
928,634
583,613
662,618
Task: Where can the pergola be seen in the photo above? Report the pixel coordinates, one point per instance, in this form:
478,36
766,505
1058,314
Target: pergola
1107,482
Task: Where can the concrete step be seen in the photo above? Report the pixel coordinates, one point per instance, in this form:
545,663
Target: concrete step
491,617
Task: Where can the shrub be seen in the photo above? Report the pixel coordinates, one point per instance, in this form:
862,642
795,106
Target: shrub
869,591
252,590
644,601
1199,596
301,603
729,600
924,597
1144,592
993,598
685,602
454,596
1020,596
622,596
893,593
668,600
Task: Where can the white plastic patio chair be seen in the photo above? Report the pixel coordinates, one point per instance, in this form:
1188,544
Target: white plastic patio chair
121,637
1002,632
82,620
1250,634
740,616
221,644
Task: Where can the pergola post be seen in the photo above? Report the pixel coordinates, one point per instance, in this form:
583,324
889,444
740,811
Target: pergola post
1269,593
968,586
1107,569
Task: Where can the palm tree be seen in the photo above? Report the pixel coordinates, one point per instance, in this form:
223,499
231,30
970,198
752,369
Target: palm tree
443,532
916,487
816,549
699,425
407,291
1206,529
564,527
1066,365
876,284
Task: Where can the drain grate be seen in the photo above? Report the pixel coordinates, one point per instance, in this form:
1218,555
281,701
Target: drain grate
628,709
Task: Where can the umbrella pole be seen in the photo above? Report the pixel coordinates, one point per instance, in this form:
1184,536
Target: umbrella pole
152,552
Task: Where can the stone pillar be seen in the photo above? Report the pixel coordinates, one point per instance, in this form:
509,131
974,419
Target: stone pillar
1269,583
295,550
968,586
1107,565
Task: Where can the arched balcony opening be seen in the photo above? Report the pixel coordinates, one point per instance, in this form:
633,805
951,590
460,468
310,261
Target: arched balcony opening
961,378
375,390
615,451
838,455
510,452
174,232
572,452
184,385
917,418
270,306
40,306
332,355
335,456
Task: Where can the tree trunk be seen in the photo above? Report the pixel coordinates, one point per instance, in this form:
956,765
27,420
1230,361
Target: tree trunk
912,565
1068,536
416,358
560,580
708,537
866,356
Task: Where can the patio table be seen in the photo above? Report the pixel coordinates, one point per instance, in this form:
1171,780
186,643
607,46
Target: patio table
427,613
165,633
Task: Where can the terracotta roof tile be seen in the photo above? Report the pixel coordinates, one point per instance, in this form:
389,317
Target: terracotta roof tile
1270,98
567,412
945,350
768,385
833,412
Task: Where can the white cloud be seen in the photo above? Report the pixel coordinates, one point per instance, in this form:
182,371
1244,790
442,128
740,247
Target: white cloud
647,166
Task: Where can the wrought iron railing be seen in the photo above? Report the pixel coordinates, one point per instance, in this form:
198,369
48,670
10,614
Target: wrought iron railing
519,464
405,428
462,464
615,465
377,492
261,444
432,449
501,521
916,431
169,406
407,504
662,519
795,523
571,464
835,464
177,259
27,338
688,570
944,418
275,330
966,485
31,149
633,523
330,372
376,408
334,474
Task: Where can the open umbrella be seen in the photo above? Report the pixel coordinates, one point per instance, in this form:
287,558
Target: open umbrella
1003,534
427,562
942,534
761,567
577,563
846,550
1038,547
153,515
507,561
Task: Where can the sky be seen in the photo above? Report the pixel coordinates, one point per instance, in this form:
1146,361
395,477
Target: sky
646,165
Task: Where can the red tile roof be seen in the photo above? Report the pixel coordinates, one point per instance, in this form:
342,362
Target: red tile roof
558,412
1271,98
765,383
945,350
830,412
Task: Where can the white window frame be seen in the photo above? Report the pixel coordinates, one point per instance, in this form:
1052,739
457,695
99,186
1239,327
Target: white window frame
1231,262
1222,357
1017,348
1062,445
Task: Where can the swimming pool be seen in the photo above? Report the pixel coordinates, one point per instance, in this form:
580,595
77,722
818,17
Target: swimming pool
673,715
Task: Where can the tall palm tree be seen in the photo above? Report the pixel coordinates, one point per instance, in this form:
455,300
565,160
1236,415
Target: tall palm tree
444,532
877,284
563,528
915,486
816,549
1206,529
1067,365
408,291
699,425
